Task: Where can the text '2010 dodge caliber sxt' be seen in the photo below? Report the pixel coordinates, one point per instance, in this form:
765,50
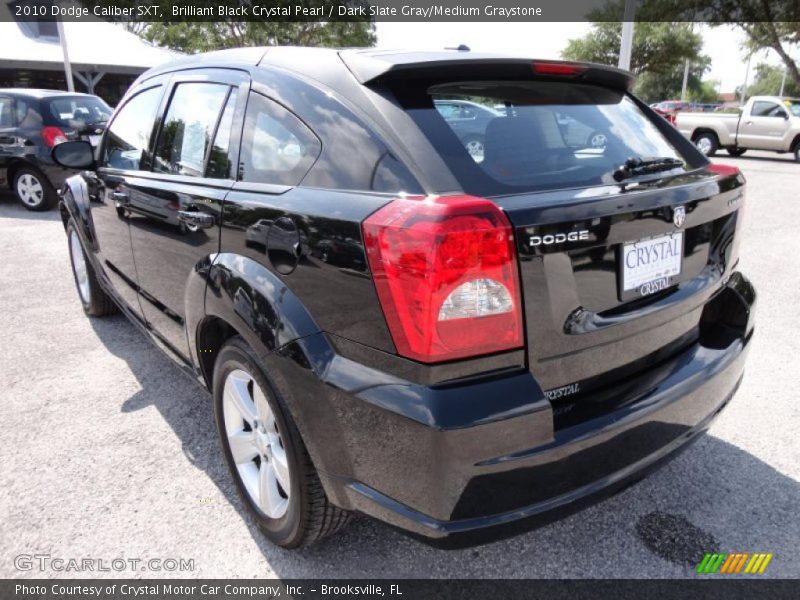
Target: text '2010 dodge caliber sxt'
461,293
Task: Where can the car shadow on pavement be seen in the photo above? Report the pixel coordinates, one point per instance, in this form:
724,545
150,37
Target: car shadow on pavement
714,497
11,207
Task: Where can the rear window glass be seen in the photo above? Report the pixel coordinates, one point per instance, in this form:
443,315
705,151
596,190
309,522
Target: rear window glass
77,112
516,136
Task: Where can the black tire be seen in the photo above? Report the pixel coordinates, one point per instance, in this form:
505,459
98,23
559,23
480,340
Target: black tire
34,190
710,139
310,516
95,301
797,153
736,151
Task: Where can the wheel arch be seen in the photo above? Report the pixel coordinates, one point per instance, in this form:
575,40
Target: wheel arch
75,203
795,143
14,165
241,297
701,130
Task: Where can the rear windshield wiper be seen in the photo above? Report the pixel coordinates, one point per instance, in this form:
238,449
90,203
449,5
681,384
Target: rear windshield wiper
641,166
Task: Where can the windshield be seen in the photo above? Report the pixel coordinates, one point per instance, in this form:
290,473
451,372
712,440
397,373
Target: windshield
535,135
79,111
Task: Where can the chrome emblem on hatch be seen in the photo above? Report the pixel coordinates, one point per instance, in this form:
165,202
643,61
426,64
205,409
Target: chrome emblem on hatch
678,216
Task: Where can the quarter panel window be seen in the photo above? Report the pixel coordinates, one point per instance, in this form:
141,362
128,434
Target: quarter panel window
218,164
128,137
277,147
188,127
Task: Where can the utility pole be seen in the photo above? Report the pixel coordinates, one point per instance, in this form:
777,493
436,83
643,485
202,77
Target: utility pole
626,44
67,65
685,80
746,76
783,81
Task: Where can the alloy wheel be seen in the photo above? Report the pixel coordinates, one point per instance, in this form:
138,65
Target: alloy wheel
704,145
30,190
256,444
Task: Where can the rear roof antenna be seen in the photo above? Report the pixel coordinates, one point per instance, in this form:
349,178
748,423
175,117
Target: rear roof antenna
460,48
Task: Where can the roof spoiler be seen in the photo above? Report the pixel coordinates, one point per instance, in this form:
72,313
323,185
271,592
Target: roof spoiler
374,67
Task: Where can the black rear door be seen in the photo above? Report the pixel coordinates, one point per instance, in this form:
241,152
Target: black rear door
174,210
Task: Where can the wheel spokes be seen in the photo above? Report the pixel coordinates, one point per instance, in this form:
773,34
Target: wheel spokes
280,464
243,447
270,499
237,393
262,407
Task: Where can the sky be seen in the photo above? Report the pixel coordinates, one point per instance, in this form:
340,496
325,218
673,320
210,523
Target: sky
547,40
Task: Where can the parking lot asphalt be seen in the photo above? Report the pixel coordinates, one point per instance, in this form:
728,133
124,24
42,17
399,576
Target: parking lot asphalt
107,451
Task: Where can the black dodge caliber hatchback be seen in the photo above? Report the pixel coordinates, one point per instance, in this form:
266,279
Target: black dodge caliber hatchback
460,347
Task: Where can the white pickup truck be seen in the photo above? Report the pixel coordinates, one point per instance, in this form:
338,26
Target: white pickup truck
765,123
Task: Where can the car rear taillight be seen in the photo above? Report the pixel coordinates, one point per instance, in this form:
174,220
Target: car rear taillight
445,270
53,136
727,171
557,68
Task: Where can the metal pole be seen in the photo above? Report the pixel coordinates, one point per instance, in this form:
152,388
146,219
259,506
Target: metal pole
626,44
746,75
783,82
67,65
685,80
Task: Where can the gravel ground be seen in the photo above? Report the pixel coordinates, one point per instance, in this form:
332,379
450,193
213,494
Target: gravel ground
109,452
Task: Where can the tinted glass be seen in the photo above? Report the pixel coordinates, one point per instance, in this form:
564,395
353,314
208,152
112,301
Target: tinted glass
28,116
77,112
540,134
390,175
6,112
277,147
129,134
188,126
218,164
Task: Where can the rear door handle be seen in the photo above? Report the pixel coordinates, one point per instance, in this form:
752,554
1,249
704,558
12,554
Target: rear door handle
197,218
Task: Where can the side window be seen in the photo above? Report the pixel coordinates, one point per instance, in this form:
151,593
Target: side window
188,127
28,116
277,147
218,165
766,109
6,112
392,176
128,135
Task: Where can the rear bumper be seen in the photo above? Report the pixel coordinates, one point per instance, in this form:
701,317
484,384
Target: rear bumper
464,464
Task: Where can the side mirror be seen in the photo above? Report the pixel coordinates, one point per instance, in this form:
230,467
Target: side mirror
785,115
74,155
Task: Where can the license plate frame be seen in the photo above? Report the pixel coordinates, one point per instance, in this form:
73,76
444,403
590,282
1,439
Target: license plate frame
645,280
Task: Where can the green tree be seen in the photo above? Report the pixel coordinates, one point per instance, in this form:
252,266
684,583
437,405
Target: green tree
767,82
657,58
653,87
203,37
657,47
